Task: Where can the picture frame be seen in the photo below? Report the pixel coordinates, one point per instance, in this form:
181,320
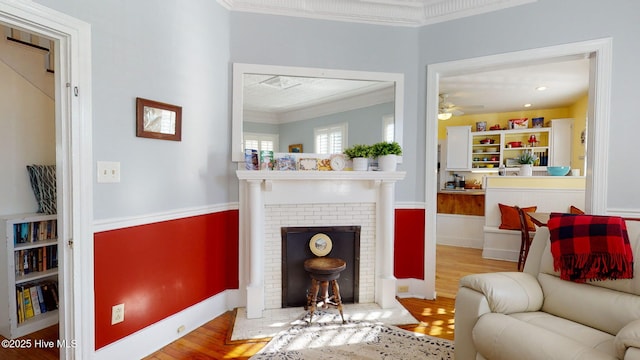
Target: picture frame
308,164
157,120
295,148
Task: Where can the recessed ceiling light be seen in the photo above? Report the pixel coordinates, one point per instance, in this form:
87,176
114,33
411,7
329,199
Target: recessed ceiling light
527,105
541,88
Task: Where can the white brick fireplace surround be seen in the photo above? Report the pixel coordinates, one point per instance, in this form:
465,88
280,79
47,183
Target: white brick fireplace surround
270,200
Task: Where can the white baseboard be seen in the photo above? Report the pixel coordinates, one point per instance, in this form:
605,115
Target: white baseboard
158,335
500,254
416,288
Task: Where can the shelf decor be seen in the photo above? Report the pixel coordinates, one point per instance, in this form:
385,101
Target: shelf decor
158,120
527,159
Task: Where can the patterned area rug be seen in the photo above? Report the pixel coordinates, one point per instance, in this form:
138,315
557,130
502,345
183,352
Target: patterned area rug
277,320
353,340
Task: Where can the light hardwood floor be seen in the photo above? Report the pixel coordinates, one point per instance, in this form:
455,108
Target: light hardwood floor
211,341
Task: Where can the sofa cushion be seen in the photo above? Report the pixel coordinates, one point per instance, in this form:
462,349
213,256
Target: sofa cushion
495,337
597,307
628,337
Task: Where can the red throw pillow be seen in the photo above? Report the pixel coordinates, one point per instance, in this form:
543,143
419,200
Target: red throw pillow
511,220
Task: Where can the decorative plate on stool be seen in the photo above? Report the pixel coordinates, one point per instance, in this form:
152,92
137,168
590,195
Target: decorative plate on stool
320,244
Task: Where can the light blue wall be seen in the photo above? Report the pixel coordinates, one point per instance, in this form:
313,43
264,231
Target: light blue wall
364,127
181,53
273,40
280,40
171,51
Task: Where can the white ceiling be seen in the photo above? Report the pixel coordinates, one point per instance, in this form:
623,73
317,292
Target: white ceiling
493,91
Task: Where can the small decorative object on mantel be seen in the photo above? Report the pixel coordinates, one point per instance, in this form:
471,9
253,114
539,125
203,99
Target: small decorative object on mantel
267,162
286,163
360,155
308,164
295,148
338,162
387,154
251,160
324,164
158,120
526,159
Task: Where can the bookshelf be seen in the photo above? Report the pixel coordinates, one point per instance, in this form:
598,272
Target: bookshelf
30,277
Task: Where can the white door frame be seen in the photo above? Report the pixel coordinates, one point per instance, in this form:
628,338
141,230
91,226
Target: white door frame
72,40
600,53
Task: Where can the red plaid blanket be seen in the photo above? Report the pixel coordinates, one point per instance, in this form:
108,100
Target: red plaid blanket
590,247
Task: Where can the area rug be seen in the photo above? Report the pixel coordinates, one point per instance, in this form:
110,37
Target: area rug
276,320
353,340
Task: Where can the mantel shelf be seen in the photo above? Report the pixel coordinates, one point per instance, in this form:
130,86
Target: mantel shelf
320,175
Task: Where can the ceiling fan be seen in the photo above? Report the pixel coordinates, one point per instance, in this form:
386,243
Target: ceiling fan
447,109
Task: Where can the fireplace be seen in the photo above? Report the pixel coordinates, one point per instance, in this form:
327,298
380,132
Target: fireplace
295,250
272,200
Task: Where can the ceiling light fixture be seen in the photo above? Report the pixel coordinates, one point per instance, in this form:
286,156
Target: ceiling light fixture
527,105
541,88
281,82
444,116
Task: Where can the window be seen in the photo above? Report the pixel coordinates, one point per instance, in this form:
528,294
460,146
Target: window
388,128
260,141
330,139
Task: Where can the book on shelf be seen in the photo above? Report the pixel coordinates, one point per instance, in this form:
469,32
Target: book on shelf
35,302
35,231
20,305
36,298
49,296
43,306
28,307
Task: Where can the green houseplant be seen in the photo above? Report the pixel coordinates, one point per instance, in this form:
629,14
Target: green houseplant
358,151
360,155
387,154
386,148
527,159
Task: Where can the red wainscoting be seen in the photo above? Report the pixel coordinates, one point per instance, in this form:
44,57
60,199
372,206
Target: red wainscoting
409,244
160,269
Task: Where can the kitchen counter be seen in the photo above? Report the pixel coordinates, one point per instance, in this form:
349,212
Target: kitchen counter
462,191
461,202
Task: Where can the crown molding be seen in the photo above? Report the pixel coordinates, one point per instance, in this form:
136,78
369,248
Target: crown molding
383,12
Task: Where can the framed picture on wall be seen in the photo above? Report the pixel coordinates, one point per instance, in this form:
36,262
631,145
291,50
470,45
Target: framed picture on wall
158,120
295,148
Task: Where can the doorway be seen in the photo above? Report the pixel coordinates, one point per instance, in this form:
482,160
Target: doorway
599,53
72,104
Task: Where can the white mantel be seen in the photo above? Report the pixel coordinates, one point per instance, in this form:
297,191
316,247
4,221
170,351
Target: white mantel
261,188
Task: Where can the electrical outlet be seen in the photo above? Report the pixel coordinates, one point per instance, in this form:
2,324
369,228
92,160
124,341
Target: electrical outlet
403,289
117,314
181,328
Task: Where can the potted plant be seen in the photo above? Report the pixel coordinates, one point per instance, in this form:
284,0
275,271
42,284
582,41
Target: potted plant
387,154
526,159
360,155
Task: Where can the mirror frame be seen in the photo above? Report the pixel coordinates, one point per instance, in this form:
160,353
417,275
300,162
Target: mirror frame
239,69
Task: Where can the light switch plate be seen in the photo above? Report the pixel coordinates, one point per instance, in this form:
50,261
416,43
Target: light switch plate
108,171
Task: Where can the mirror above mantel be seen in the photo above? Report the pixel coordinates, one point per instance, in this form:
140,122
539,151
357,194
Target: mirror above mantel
289,103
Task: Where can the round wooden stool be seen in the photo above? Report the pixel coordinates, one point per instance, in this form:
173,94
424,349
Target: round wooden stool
323,271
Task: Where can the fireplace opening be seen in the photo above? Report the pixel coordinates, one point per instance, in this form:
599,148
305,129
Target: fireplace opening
295,250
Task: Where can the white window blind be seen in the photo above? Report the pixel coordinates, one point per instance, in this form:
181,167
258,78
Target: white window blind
330,139
260,141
